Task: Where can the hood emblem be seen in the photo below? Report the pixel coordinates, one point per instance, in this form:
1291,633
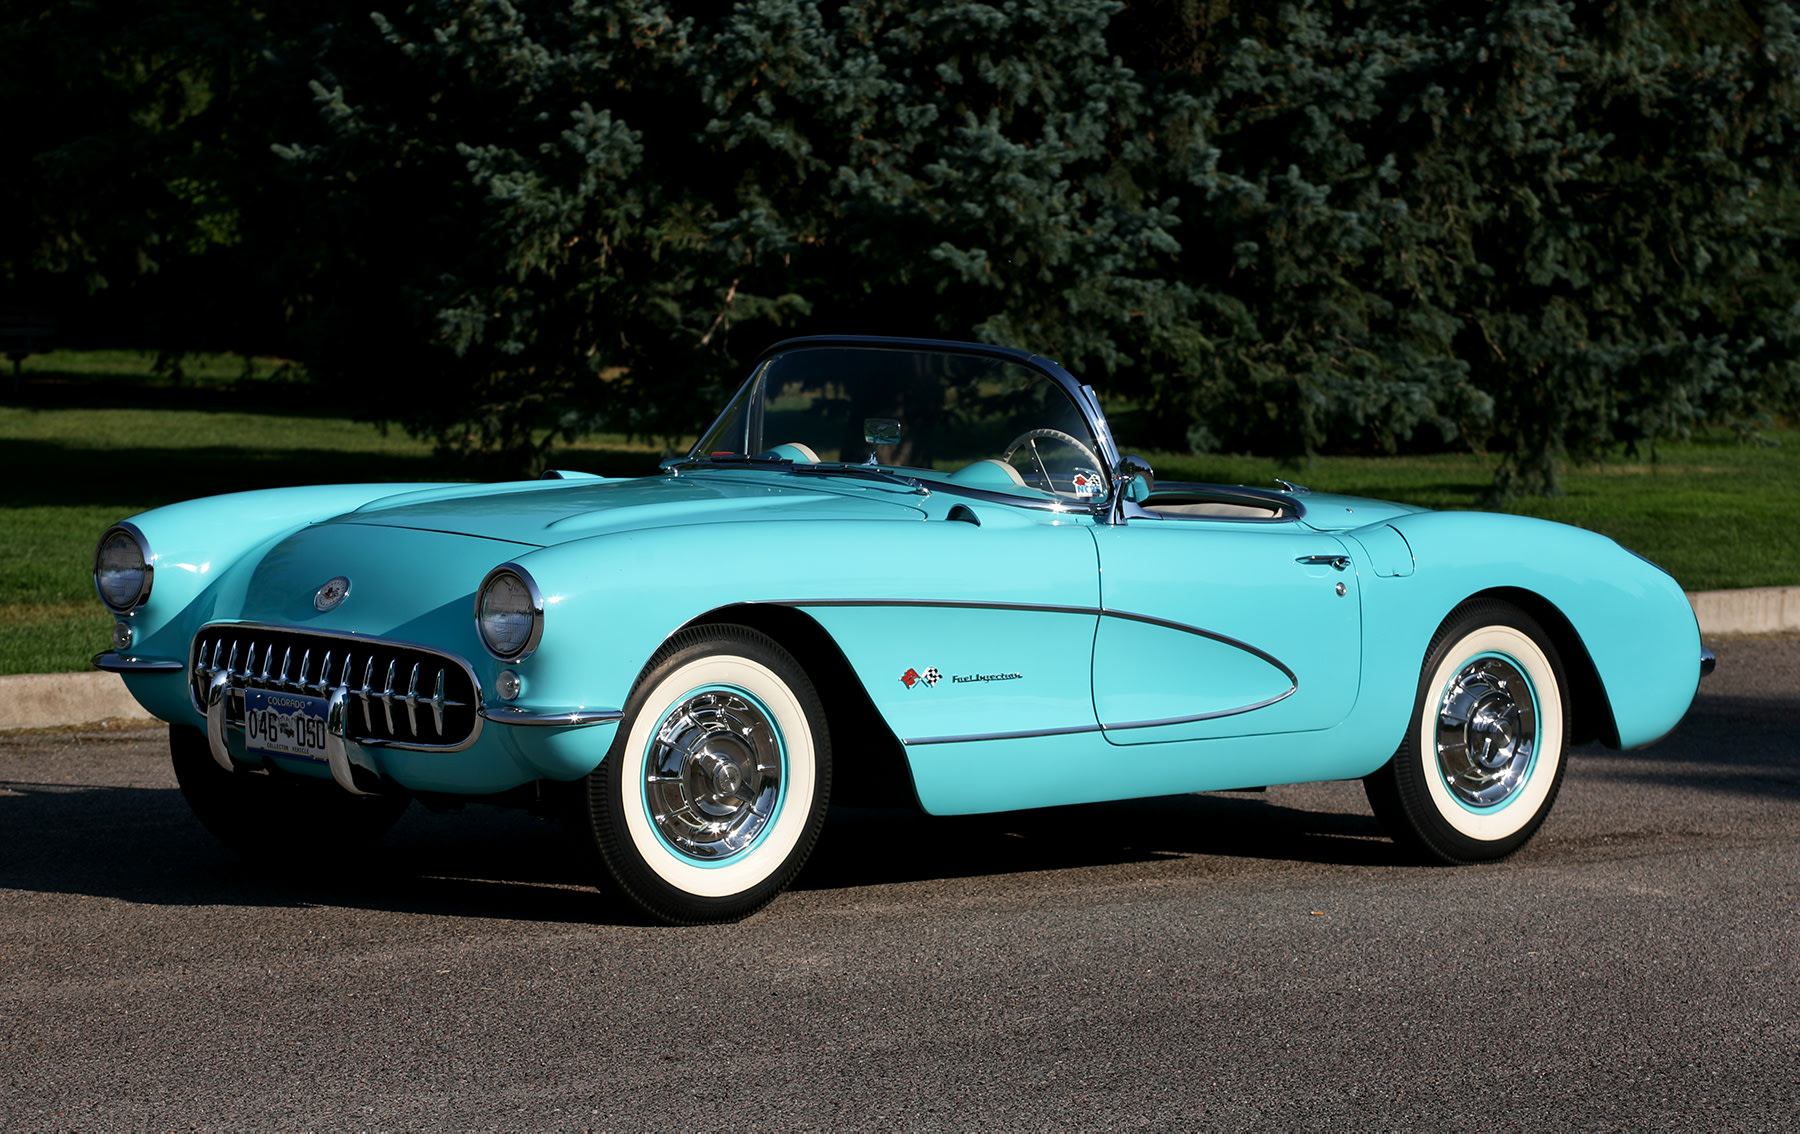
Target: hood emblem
331,594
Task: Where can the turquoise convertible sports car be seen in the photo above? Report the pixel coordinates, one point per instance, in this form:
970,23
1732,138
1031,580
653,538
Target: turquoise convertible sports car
892,571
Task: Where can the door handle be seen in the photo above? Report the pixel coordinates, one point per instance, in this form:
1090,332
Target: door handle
1339,562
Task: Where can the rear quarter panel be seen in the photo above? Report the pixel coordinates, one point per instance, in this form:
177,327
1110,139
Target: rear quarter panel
1632,618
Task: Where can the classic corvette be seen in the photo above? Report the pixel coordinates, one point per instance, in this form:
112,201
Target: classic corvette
893,571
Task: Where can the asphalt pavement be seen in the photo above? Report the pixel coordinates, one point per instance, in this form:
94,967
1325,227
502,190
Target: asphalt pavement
1196,962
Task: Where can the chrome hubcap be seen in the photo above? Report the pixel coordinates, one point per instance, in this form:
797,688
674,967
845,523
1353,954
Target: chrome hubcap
1486,732
712,776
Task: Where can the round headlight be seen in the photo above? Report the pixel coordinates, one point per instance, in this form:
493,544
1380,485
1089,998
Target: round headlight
122,570
509,612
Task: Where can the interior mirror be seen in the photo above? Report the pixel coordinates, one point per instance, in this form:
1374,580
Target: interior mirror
881,430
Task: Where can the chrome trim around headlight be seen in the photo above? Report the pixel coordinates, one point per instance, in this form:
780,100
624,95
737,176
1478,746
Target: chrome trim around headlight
143,546
536,597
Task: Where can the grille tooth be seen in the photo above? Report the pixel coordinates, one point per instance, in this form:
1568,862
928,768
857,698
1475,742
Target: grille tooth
387,697
412,701
437,706
363,694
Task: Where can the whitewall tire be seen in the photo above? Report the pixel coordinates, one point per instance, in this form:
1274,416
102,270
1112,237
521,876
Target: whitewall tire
715,788
1484,753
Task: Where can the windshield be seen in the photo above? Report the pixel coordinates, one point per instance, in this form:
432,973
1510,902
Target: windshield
986,422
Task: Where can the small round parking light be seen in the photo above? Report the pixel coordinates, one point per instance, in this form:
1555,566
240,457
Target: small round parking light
508,685
121,635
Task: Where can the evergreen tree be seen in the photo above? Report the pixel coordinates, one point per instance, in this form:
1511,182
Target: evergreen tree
1544,226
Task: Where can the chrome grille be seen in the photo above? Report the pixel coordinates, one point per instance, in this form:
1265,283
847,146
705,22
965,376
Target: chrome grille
396,693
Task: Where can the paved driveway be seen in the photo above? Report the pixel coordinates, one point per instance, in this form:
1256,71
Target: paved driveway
1205,962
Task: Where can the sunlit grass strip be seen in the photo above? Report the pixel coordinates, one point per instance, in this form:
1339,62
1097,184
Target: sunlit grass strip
1714,513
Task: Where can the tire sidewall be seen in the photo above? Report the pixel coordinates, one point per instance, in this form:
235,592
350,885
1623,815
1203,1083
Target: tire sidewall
671,885
1453,831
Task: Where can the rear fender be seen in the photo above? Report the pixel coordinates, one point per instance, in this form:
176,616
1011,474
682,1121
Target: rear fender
1624,628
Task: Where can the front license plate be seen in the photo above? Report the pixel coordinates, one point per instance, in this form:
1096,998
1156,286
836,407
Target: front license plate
284,724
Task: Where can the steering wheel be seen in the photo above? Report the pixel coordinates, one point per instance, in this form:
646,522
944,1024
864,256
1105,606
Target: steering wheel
1030,437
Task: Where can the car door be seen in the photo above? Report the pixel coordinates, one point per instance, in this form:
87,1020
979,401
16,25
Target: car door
967,631
1217,628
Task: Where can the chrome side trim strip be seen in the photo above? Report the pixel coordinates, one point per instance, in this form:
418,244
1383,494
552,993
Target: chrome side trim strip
1224,639
953,604
1149,619
1203,716
1182,627
571,718
1001,735
122,663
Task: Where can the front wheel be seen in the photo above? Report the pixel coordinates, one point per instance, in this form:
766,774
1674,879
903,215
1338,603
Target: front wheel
714,790
1483,756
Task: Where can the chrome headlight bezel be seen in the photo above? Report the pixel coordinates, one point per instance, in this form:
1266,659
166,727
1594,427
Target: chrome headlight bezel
145,571
526,602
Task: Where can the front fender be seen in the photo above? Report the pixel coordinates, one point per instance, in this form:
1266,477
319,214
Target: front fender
196,542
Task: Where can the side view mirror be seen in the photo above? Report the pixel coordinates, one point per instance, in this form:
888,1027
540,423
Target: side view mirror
1135,478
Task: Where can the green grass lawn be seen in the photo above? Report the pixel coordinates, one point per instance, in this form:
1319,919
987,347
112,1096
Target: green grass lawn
94,438
1714,513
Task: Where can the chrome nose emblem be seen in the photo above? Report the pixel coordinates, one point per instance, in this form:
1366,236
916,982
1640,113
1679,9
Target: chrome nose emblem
331,594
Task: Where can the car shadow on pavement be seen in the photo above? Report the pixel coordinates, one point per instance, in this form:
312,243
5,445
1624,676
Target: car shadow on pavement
1726,744
140,844
143,845
911,847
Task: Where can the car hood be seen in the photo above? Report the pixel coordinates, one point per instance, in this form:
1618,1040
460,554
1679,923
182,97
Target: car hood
542,513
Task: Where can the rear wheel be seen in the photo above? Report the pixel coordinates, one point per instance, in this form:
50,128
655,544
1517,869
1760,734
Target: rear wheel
258,813
1483,757
714,791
